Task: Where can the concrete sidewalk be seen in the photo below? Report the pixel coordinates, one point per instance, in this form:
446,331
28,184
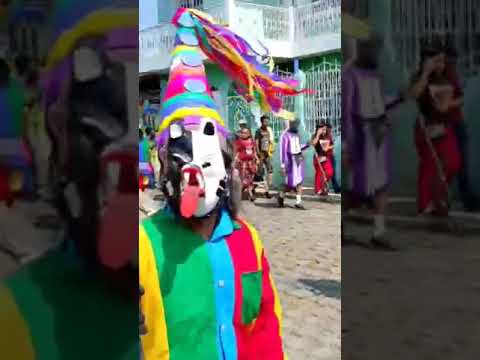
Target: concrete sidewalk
308,194
402,213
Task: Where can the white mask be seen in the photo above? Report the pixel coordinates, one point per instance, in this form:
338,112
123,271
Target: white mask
201,178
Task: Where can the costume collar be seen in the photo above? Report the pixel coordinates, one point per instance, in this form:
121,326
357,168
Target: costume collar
226,225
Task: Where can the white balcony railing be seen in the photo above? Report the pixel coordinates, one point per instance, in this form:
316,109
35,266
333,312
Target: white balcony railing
318,18
288,32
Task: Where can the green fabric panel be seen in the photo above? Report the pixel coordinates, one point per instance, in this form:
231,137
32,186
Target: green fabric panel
16,99
186,282
252,296
71,316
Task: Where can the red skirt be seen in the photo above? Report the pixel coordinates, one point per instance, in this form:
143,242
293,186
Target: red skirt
322,175
247,170
431,188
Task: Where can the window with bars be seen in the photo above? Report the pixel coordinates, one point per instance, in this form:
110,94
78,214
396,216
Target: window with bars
456,23
197,4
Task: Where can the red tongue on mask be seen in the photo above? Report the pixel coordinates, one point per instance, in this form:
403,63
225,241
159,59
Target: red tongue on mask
191,194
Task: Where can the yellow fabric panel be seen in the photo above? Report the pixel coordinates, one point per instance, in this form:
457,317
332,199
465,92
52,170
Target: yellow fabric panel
15,341
155,342
180,48
287,115
277,307
97,23
354,27
257,243
184,112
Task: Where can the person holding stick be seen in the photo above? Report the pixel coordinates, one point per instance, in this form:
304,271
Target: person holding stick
322,159
435,138
292,163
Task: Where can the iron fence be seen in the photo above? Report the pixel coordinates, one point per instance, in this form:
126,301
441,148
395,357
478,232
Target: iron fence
455,22
322,104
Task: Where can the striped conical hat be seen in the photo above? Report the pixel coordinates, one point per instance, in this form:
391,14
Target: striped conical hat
188,96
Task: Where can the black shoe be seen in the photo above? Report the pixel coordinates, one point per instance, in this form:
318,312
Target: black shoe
382,244
300,206
281,202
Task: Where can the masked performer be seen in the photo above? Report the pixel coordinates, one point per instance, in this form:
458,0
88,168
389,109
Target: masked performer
435,136
322,159
246,160
208,291
365,133
60,306
292,163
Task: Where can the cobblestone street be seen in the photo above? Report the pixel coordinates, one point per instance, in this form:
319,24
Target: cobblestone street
430,320
304,252
303,248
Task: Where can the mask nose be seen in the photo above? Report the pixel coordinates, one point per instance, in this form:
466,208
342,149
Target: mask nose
193,188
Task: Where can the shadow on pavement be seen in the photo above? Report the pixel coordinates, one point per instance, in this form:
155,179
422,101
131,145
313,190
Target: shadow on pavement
328,288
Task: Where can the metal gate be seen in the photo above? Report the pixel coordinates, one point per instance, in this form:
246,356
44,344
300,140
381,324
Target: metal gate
323,104
238,108
456,22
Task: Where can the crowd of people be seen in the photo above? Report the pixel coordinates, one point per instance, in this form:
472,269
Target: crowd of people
440,134
254,159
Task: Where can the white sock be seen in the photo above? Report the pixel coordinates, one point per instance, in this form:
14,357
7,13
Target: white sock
378,225
299,199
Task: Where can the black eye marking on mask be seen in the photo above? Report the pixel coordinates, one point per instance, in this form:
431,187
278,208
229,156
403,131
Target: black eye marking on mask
206,165
182,146
209,129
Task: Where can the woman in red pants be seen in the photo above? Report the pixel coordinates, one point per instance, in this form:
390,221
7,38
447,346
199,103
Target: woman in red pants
322,159
435,137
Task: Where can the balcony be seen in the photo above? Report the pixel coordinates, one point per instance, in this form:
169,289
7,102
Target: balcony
288,32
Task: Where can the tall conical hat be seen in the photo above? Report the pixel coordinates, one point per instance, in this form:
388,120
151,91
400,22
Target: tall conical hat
188,96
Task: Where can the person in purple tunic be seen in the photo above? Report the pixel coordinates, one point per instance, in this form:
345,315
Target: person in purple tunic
292,163
365,130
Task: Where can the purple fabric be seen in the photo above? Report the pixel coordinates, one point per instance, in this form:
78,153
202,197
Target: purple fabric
354,133
53,80
145,169
295,171
126,38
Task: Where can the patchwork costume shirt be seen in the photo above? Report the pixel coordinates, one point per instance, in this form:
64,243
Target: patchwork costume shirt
207,300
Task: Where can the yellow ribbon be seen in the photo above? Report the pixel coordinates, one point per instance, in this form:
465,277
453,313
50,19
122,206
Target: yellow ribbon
355,27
